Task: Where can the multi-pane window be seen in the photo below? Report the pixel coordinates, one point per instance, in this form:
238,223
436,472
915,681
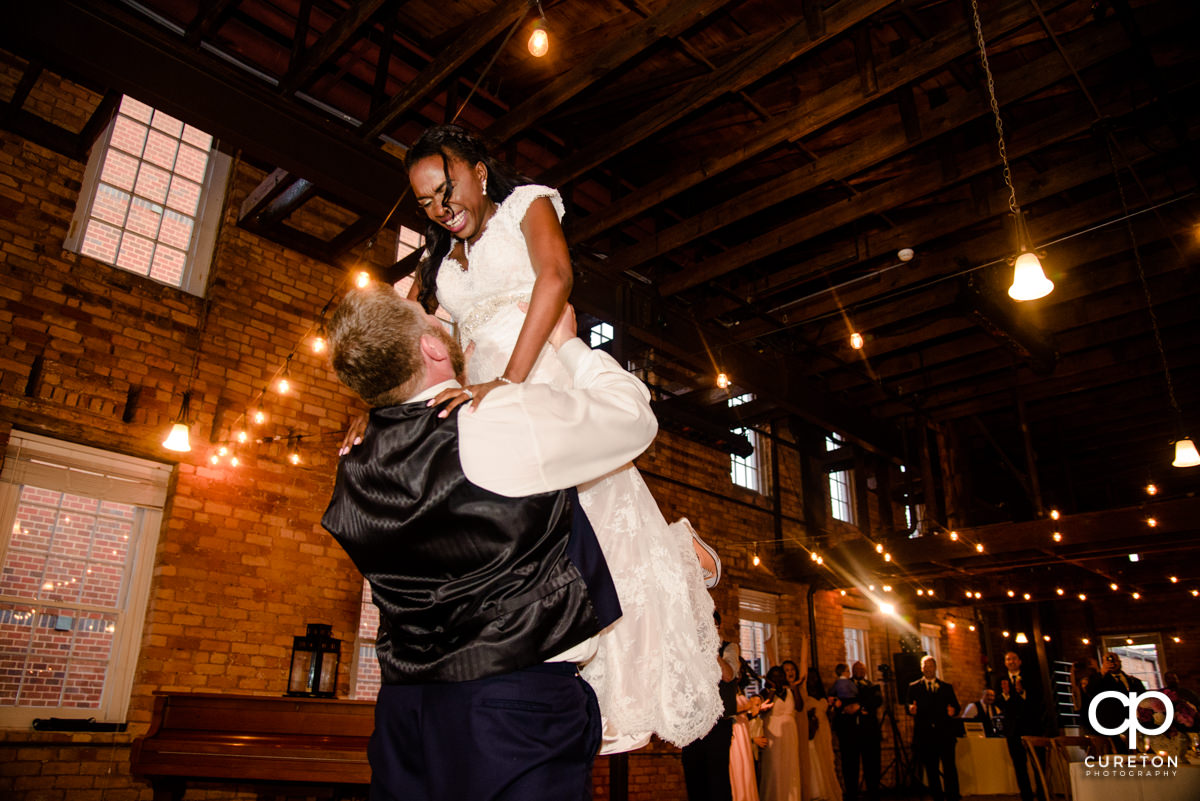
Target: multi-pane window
744,470
758,619
79,528
151,197
407,241
931,642
839,496
855,634
600,333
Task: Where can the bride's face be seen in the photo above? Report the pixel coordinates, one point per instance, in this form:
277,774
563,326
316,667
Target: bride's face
464,209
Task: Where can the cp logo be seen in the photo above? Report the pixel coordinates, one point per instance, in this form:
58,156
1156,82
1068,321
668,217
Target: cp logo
1131,700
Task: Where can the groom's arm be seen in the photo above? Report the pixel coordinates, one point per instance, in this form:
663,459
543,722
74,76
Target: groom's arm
531,438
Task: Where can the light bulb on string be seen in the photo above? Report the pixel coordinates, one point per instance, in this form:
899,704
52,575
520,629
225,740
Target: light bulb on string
242,436
285,385
856,341
362,278
177,438
260,416
757,561
722,380
539,38
319,344
1151,489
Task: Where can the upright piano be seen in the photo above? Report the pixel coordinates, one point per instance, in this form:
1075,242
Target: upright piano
203,737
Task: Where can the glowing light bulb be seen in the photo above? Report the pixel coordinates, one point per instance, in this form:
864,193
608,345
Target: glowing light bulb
1027,596
1059,590
1029,282
260,417
954,536
856,341
1011,593
1151,489
1112,587
362,279
1005,634
971,627
979,547
235,461
757,561
1152,522
920,592
294,457
929,593
887,587
722,380
879,548
887,609
242,436
1195,593
1046,637
1137,596
539,40
1055,514
950,625
1057,536
1086,641
812,555
1174,579
969,594
843,592
214,459
318,345
1176,639
978,595
222,450
1083,596
1186,454
284,386
1021,639
887,557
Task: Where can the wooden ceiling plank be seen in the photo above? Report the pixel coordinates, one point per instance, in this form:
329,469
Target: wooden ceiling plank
453,56
672,20
808,116
772,54
207,19
330,42
992,245
922,181
867,152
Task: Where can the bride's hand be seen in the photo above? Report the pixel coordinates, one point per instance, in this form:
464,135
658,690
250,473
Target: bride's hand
457,396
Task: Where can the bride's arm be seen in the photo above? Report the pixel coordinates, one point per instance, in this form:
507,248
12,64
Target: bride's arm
552,265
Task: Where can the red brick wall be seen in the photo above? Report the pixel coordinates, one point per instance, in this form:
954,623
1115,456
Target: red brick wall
242,563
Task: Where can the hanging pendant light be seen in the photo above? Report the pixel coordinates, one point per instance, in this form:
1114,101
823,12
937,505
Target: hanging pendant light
539,39
1029,281
177,439
1185,454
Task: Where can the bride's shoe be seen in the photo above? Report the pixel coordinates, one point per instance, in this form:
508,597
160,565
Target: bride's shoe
710,562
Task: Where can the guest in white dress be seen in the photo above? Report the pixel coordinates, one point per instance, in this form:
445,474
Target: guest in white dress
496,260
742,778
780,780
821,780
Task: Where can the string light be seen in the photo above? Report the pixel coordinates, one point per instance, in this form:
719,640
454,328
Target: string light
978,595
920,592
1005,634
1011,594
954,536
235,461
1057,536
242,436
950,625
979,547
971,627
1113,587
1152,522
843,592
756,560
1021,639
1058,590
1083,596
285,385
1055,514
856,341
887,557
879,547
1137,596
260,416
1046,637
1151,489
362,279
722,380
539,40
319,344
1174,579
1176,639
1086,641
1027,596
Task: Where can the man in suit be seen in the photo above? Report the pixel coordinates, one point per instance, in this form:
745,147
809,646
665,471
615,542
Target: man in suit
986,712
1020,703
489,581
857,729
1110,713
934,708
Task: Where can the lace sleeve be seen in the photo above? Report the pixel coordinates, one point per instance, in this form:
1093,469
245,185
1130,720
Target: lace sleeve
517,204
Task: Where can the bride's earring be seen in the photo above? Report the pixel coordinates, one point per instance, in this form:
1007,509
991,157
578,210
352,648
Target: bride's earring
483,185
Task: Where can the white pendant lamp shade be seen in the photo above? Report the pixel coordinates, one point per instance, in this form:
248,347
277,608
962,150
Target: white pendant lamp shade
1185,454
177,440
1029,282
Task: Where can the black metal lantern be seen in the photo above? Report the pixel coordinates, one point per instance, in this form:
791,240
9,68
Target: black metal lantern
315,658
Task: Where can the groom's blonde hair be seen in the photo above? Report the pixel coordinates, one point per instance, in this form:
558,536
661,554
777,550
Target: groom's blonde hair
374,338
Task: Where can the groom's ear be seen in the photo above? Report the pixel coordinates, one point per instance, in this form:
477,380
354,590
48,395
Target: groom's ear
432,348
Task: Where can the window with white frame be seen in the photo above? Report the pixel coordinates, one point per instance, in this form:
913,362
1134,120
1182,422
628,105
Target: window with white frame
745,470
758,618
834,441
856,631
931,643
78,532
151,198
840,493
407,241
600,333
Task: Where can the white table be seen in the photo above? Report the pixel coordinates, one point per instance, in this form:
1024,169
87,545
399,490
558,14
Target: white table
1183,786
984,767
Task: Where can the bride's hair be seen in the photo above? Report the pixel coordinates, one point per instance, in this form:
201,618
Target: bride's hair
453,141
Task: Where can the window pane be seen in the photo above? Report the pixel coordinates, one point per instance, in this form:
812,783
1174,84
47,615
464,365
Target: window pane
191,163
197,138
120,170
167,124
136,109
110,205
168,265
161,149
128,135
176,230
100,241
135,254
152,183
144,218
184,196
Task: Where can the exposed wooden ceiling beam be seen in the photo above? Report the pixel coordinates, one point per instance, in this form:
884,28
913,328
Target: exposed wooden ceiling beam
330,42
790,43
673,19
444,64
874,149
809,115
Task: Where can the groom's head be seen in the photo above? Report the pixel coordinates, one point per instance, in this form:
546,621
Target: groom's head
386,348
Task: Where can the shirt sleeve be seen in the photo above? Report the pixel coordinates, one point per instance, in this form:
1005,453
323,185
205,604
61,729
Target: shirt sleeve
531,438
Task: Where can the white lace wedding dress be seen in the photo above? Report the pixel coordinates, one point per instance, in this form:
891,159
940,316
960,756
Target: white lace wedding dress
655,670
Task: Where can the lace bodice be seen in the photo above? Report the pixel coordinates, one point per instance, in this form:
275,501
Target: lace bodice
499,259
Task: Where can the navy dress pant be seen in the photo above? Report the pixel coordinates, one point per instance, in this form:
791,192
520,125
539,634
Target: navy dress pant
529,735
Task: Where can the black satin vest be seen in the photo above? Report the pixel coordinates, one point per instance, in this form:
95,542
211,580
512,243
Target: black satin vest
468,583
